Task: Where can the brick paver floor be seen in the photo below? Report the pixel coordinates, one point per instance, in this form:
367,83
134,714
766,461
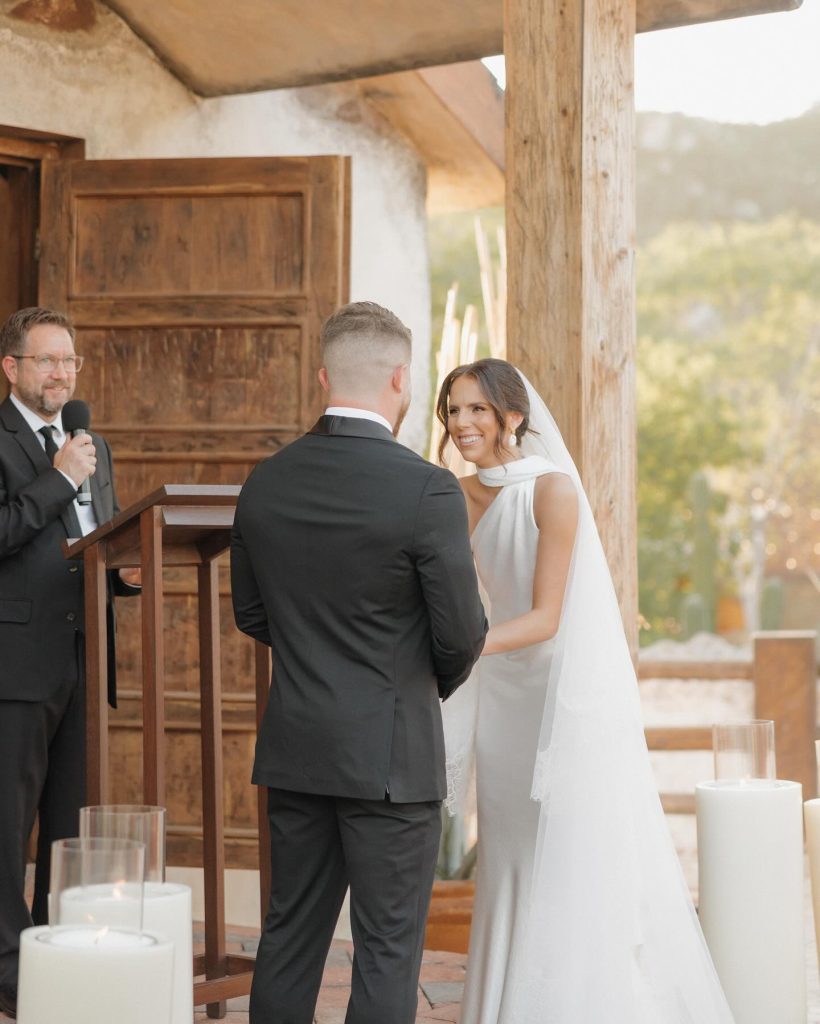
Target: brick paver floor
440,988
441,984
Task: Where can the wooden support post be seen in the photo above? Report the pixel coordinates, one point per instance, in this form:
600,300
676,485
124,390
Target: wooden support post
153,661
570,214
96,675
213,830
785,677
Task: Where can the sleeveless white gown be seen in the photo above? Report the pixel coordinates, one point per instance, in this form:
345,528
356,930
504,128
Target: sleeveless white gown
669,977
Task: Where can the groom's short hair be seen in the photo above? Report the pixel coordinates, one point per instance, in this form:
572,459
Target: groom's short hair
362,344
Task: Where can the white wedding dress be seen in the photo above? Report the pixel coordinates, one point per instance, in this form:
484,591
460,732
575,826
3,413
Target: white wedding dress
510,707
582,914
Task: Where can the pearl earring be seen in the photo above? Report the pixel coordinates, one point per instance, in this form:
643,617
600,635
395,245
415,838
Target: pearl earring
513,440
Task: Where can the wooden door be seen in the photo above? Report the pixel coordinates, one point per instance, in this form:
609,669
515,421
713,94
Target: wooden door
18,278
197,288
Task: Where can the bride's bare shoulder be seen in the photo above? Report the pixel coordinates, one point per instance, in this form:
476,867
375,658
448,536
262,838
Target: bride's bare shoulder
468,485
555,497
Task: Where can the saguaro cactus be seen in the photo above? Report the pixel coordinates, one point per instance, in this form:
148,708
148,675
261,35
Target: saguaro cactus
771,604
704,551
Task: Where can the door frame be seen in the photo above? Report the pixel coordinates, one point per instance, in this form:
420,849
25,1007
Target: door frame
30,146
26,149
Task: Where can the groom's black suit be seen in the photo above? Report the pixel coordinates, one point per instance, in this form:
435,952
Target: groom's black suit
351,558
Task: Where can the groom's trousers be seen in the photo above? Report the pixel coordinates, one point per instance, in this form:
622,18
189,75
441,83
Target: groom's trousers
386,852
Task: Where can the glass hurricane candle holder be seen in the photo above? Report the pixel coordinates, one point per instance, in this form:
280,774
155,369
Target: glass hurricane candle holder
141,822
98,882
744,750
166,907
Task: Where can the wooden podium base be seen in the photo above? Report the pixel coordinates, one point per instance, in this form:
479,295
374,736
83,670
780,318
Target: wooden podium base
178,525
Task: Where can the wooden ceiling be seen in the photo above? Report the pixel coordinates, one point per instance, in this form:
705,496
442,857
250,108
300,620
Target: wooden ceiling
217,48
453,115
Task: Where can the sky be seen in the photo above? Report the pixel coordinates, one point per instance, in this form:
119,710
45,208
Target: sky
759,69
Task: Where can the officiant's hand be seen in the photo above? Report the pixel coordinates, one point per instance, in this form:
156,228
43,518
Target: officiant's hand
77,458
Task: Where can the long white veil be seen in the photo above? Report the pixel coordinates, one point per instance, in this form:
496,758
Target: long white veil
612,933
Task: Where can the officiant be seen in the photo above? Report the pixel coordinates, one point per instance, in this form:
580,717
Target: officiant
42,706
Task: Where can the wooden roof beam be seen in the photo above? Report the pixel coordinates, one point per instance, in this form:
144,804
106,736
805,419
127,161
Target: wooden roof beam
453,116
658,14
217,49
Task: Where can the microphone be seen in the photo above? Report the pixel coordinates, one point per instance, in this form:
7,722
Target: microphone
76,421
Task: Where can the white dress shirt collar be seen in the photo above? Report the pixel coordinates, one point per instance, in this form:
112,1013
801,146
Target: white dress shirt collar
359,414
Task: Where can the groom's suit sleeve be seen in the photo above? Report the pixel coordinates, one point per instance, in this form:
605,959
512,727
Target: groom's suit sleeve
248,609
444,562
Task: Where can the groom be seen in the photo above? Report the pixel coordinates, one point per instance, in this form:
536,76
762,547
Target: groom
350,558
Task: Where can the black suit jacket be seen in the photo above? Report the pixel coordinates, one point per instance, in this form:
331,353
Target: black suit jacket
350,557
41,594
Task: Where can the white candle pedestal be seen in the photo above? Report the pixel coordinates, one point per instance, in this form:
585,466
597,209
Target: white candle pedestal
166,911
811,812
750,868
85,975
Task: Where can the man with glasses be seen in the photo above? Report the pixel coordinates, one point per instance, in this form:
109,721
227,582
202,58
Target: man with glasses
42,720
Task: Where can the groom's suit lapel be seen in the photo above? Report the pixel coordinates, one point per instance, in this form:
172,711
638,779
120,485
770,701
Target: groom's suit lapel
350,426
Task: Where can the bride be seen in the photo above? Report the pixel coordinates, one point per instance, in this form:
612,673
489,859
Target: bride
582,915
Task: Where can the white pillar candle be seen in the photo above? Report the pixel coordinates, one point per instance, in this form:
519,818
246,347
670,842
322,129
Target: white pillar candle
85,975
750,868
104,904
166,910
811,810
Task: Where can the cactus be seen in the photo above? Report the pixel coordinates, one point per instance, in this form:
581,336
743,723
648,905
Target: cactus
451,848
704,553
771,604
693,614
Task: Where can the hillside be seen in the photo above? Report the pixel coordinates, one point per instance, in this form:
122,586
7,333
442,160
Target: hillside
701,171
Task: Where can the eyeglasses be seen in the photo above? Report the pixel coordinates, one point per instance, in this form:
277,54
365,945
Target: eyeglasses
48,364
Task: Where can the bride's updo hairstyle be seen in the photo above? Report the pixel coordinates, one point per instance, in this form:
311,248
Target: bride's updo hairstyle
503,391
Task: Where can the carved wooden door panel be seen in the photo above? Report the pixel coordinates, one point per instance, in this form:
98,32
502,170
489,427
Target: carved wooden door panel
197,288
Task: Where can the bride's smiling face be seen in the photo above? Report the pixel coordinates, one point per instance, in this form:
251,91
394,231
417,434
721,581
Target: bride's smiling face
473,425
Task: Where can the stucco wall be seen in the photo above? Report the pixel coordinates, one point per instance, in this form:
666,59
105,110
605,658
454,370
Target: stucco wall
107,87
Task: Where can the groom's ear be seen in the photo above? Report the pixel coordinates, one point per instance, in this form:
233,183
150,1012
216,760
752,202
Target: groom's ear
398,378
324,380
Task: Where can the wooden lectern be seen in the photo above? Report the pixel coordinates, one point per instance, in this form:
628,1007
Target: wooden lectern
177,525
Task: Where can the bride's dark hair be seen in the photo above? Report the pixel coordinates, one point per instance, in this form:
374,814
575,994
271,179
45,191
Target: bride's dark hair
503,391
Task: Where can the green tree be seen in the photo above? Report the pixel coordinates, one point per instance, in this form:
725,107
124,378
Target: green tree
728,384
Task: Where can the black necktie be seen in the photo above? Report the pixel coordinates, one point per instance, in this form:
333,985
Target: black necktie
51,447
